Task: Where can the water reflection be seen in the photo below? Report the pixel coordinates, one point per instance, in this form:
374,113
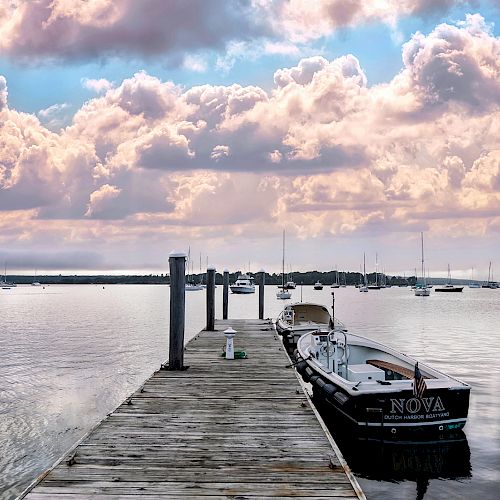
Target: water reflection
444,457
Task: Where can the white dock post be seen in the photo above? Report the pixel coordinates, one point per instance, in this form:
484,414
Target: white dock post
229,333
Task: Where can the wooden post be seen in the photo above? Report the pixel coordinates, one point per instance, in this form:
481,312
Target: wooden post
225,294
177,263
210,299
262,284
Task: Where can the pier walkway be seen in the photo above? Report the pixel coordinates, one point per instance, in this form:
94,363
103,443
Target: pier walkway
241,429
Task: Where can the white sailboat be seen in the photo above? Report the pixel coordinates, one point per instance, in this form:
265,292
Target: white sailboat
421,289
336,284
473,284
283,294
191,286
364,287
6,285
35,281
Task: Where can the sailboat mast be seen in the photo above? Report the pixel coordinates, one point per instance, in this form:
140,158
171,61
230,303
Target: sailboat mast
423,270
364,268
283,264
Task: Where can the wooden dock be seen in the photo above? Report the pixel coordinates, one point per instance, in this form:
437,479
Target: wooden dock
241,429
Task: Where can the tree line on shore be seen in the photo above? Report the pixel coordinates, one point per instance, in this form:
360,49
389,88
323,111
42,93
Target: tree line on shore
305,278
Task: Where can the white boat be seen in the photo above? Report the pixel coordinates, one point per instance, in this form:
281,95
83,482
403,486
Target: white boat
490,283
191,286
378,389
421,289
6,285
35,282
363,287
243,284
318,285
301,317
336,284
194,287
283,294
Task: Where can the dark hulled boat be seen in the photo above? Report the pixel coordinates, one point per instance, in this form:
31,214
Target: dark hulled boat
372,386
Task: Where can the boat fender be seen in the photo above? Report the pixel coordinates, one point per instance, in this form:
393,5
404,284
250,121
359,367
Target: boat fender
301,366
314,379
329,389
308,373
319,383
341,398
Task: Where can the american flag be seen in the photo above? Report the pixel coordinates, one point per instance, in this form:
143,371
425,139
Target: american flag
419,385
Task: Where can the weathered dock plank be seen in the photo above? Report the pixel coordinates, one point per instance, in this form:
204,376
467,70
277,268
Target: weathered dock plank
221,429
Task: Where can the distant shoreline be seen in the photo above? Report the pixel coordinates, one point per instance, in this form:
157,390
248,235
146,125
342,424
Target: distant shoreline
306,278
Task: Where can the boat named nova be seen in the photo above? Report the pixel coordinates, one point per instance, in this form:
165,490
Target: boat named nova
372,385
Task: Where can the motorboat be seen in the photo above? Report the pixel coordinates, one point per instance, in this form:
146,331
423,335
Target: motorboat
318,285
283,294
194,287
421,289
378,389
301,317
243,284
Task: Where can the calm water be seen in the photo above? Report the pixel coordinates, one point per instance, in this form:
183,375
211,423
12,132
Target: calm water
70,354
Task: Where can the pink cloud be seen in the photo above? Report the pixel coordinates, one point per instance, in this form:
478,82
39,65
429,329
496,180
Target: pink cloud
321,151
3,93
71,29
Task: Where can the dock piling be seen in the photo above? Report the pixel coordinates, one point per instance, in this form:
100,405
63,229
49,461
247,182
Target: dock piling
225,293
210,299
177,264
262,284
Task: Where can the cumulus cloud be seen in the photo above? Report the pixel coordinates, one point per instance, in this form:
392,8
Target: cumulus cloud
149,156
3,93
70,29
56,116
303,20
75,29
97,85
455,63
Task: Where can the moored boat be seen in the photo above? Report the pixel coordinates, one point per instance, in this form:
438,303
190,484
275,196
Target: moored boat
5,284
243,284
421,289
284,293
301,317
449,287
318,285
378,389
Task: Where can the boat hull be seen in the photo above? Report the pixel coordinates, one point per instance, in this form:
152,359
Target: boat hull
456,289
397,413
242,289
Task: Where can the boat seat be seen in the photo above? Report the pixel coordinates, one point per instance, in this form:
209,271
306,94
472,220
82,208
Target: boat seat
387,365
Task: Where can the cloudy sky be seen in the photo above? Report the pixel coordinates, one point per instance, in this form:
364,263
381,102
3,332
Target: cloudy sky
130,128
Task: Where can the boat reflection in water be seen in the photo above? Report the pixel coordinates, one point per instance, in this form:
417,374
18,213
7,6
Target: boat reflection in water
445,457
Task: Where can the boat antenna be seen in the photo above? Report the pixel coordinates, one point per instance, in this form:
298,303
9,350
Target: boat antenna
301,286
